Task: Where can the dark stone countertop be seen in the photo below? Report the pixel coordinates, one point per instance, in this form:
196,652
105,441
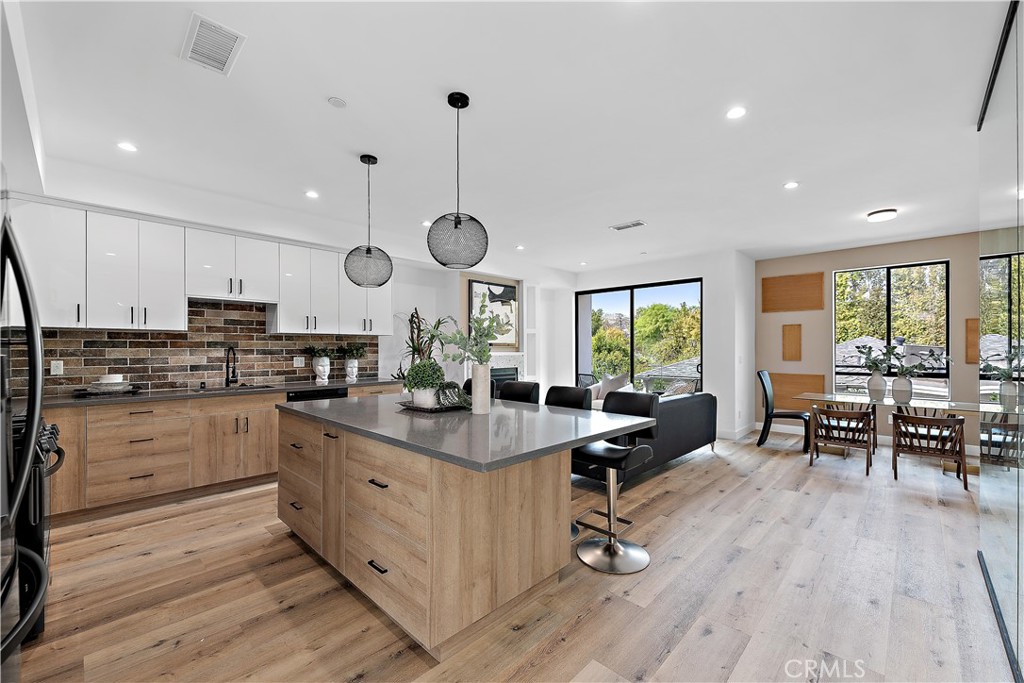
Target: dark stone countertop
512,433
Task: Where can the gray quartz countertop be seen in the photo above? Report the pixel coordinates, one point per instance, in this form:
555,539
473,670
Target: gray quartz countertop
270,387
512,433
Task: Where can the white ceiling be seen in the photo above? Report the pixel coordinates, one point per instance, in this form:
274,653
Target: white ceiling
582,116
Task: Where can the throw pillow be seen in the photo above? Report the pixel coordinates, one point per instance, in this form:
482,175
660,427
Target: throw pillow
610,384
595,392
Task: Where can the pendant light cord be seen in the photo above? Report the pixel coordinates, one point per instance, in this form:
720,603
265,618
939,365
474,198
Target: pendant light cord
368,206
457,168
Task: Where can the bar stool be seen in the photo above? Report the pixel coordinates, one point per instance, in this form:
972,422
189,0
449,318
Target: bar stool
524,392
570,397
609,554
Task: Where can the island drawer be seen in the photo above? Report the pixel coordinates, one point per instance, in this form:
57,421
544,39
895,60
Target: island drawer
113,441
393,492
301,438
390,571
135,413
111,481
375,390
298,506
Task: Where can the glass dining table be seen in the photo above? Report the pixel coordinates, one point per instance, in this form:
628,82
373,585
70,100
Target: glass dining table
926,403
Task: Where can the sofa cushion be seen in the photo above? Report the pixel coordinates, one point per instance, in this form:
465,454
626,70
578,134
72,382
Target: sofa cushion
610,384
595,391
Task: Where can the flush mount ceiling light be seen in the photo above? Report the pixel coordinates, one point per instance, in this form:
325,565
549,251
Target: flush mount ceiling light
583,263
337,102
791,185
457,240
520,247
127,146
367,265
312,194
881,215
736,113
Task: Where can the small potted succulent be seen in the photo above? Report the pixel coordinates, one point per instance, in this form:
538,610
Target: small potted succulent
352,352
321,356
423,379
877,365
1007,387
475,347
902,386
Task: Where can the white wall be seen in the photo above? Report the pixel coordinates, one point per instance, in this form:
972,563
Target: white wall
728,311
18,157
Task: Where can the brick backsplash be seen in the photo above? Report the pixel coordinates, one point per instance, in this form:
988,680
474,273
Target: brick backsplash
172,360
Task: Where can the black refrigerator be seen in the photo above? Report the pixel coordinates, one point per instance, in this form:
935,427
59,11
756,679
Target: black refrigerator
25,447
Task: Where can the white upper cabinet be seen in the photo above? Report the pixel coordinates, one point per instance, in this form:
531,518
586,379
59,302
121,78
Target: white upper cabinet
365,310
379,310
52,242
162,277
112,265
293,314
223,266
256,267
210,264
323,292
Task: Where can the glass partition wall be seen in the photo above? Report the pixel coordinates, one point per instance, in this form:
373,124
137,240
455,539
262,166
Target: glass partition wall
1000,325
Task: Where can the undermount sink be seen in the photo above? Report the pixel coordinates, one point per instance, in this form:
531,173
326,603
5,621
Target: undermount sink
233,387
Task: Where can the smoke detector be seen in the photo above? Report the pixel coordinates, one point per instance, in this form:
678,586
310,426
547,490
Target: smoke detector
627,226
211,45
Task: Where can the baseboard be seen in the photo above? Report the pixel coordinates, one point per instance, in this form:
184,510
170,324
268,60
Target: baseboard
738,434
883,439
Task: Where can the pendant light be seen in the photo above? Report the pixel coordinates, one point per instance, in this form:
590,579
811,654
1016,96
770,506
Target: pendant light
457,240
367,265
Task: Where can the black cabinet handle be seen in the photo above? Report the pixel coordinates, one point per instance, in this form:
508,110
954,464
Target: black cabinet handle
78,313
314,322
295,505
239,286
371,324
364,324
247,425
377,568
236,425
296,446
132,309
143,476
330,436
231,285
139,412
141,440
377,483
307,322
145,315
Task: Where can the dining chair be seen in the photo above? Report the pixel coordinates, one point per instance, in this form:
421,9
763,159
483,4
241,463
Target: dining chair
849,405
523,392
467,386
846,428
936,437
580,398
1000,439
771,414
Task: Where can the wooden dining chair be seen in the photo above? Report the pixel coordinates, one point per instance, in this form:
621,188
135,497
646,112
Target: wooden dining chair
936,437
1000,439
846,428
849,405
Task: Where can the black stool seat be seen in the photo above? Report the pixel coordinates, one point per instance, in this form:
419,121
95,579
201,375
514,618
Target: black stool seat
791,415
607,455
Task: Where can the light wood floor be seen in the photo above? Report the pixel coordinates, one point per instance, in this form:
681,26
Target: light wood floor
758,560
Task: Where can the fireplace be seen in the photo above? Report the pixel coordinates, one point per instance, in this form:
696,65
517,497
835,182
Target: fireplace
502,375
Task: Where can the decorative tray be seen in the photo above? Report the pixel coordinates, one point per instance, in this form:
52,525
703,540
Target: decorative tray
89,392
437,409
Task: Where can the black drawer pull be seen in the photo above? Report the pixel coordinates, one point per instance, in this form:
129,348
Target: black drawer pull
295,505
377,568
330,436
377,484
139,412
141,440
143,476
296,446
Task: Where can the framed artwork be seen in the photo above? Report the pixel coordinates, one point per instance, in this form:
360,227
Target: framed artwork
503,300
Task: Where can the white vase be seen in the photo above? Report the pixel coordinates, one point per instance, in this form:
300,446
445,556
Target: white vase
876,385
902,390
481,389
1008,393
424,398
322,368
351,370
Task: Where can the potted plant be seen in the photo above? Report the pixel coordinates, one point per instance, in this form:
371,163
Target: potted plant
322,356
352,352
877,365
423,379
475,347
1007,387
902,386
423,340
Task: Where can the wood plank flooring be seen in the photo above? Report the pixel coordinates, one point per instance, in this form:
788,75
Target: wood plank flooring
763,569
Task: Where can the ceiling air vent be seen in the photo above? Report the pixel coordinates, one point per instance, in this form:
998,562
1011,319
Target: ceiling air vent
627,226
211,45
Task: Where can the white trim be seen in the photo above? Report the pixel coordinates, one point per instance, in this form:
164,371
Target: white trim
19,46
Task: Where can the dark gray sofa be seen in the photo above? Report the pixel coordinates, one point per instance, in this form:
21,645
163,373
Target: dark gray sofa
685,423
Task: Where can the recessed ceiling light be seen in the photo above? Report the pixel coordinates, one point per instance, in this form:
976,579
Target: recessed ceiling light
127,146
312,194
426,224
520,247
337,102
643,253
583,263
881,215
110,253
791,185
736,113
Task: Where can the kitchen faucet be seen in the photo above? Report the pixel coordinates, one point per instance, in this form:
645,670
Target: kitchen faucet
230,371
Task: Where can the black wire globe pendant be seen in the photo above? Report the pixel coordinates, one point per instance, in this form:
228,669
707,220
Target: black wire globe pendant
367,265
457,240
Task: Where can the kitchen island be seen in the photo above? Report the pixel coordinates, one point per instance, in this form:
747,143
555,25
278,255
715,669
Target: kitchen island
444,520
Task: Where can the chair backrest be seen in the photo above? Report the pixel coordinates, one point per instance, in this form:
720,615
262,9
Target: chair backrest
569,397
766,389
524,392
634,403
927,435
833,425
467,386
923,412
585,379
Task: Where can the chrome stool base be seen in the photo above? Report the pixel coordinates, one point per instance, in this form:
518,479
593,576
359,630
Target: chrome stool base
574,531
613,556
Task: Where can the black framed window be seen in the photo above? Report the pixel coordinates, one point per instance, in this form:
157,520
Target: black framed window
999,282
652,332
904,305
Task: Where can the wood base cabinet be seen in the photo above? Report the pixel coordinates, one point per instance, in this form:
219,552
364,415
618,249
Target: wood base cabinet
436,546
233,437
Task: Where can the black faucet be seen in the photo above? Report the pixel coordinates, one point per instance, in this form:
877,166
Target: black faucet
230,370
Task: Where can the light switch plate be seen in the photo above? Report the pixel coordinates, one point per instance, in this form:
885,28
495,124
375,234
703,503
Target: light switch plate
298,361
56,367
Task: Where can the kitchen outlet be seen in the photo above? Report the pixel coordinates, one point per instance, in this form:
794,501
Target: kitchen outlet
56,367
298,361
